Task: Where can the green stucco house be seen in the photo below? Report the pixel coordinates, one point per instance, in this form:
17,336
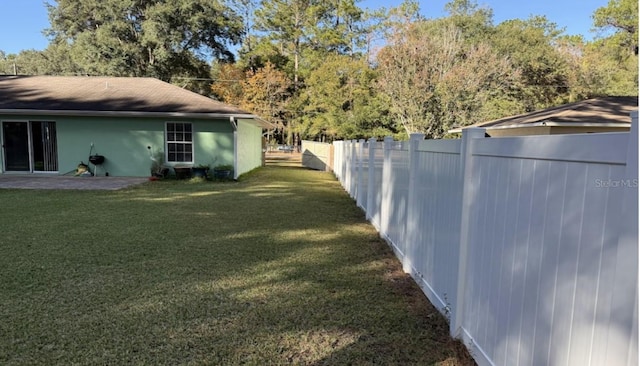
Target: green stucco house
50,124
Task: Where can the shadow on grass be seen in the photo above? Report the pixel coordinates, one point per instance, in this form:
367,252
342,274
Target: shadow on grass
280,267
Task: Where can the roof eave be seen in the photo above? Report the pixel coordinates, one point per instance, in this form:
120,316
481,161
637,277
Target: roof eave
548,124
573,124
82,113
260,122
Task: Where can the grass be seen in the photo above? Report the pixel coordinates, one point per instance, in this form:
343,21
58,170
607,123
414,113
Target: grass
279,268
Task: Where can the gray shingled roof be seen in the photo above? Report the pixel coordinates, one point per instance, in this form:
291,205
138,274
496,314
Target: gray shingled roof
598,111
105,94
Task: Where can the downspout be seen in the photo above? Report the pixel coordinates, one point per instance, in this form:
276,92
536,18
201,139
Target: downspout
234,125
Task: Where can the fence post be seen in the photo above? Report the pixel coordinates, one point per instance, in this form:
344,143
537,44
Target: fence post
468,193
371,174
622,340
354,169
386,189
412,210
330,158
338,159
360,154
340,162
343,162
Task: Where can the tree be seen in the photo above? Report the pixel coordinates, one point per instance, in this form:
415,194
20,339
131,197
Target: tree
434,80
54,60
618,51
246,8
341,102
608,65
587,75
530,45
305,31
339,29
622,17
287,23
474,22
478,88
154,38
227,83
298,36
266,93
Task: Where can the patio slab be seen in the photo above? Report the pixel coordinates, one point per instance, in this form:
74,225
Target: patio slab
66,182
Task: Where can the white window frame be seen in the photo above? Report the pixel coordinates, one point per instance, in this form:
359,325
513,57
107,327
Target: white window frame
178,140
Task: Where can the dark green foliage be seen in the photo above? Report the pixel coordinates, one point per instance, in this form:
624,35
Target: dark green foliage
341,102
616,54
620,16
145,38
531,47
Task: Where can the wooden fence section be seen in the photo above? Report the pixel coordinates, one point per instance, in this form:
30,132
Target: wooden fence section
317,155
528,244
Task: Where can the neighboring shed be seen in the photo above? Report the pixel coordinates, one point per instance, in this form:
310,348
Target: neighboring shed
604,114
50,124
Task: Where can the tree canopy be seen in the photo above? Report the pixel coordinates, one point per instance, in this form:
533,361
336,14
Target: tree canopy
622,17
162,39
434,80
331,70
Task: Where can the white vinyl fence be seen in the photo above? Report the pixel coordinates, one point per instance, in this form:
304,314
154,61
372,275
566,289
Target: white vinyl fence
528,244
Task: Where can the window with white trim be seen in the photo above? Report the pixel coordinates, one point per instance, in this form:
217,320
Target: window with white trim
179,142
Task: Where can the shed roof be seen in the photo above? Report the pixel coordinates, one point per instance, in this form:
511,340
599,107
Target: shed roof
79,95
603,112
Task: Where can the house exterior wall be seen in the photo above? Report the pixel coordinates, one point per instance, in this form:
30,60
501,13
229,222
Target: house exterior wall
525,131
124,142
213,142
249,147
555,130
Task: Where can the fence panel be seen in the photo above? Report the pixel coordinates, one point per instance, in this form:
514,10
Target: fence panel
395,194
347,168
374,190
363,174
542,239
434,219
531,243
317,155
339,160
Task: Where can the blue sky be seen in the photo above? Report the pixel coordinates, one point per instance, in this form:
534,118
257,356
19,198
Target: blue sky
22,21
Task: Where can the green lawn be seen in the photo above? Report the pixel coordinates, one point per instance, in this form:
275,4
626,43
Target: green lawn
279,268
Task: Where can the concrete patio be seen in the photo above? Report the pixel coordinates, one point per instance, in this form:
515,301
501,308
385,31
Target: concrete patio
67,182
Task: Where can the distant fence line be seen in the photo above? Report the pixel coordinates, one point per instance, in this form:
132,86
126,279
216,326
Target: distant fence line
528,244
317,155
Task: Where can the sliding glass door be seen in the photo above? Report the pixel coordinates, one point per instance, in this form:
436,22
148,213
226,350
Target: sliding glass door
45,147
30,146
16,146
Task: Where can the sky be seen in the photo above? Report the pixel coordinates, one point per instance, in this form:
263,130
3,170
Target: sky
22,21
